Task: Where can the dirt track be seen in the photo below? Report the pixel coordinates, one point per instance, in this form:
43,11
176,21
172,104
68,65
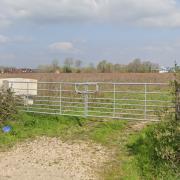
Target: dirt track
51,159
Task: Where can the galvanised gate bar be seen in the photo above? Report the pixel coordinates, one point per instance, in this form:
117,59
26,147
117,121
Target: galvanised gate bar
124,101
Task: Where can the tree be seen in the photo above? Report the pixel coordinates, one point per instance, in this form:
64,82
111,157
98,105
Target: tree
68,65
101,67
135,66
55,65
78,64
45,68
104,67
90,68
141,67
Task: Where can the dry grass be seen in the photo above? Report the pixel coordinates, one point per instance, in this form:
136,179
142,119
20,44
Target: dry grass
115,77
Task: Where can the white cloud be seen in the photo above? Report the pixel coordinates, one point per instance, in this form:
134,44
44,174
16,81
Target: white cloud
61,47
140,12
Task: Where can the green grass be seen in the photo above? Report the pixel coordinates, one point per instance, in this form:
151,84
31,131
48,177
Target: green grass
30,126
149,149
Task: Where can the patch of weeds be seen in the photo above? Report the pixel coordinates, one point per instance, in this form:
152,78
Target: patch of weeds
155,151
31,125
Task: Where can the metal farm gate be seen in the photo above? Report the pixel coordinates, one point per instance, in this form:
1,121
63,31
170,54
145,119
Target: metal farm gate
125,101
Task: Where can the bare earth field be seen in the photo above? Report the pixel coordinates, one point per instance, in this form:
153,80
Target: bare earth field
50,158
111,77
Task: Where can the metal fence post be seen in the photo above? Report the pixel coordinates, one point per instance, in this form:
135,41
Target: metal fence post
27,96
145,101
86,100
60,98
114,99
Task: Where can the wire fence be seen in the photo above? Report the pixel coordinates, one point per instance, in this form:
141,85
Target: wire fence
128,101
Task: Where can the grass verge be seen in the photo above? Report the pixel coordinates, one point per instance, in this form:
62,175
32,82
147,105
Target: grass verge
30,126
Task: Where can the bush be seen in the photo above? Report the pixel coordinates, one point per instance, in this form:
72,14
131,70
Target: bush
8,108
157,149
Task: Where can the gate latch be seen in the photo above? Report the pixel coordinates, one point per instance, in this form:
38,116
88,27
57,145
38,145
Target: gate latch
86,88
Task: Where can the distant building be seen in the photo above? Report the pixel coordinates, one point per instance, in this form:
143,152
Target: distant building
164,70
26,70
16,70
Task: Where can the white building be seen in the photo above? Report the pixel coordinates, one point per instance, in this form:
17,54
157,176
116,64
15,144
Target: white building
163,70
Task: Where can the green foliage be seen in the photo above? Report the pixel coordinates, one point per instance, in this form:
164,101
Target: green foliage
67,69
68,63
142,67
30,126
157,150
8,108
75,66
105,67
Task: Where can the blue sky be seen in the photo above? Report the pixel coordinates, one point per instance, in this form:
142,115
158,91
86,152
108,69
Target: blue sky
36,32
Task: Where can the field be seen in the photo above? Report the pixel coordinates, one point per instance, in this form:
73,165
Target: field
84,77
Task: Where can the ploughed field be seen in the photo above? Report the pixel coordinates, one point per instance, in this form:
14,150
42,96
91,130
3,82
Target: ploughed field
84,77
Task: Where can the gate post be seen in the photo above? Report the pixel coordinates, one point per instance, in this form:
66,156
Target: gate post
114,101
60,98
27,97
145,102
86,100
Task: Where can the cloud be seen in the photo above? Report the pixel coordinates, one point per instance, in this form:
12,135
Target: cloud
61,47
157,13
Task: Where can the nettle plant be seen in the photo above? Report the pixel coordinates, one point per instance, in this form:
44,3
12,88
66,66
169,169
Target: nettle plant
8,108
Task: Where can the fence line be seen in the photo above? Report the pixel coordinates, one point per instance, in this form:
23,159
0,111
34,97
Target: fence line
129,101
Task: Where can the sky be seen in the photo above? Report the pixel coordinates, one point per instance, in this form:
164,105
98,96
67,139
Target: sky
36,32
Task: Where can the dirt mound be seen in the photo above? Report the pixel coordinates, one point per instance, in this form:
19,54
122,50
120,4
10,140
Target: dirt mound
51,159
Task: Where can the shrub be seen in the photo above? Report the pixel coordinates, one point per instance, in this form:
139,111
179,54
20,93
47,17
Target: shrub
8,108
157,150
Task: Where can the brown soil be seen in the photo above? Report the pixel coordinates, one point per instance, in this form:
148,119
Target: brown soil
77,77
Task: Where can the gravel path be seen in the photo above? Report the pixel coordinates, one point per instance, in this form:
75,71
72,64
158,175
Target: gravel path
51,159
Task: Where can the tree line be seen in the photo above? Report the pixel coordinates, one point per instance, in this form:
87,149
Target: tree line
76,66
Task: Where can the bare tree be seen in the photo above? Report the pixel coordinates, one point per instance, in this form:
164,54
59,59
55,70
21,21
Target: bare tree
78,64
68,63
